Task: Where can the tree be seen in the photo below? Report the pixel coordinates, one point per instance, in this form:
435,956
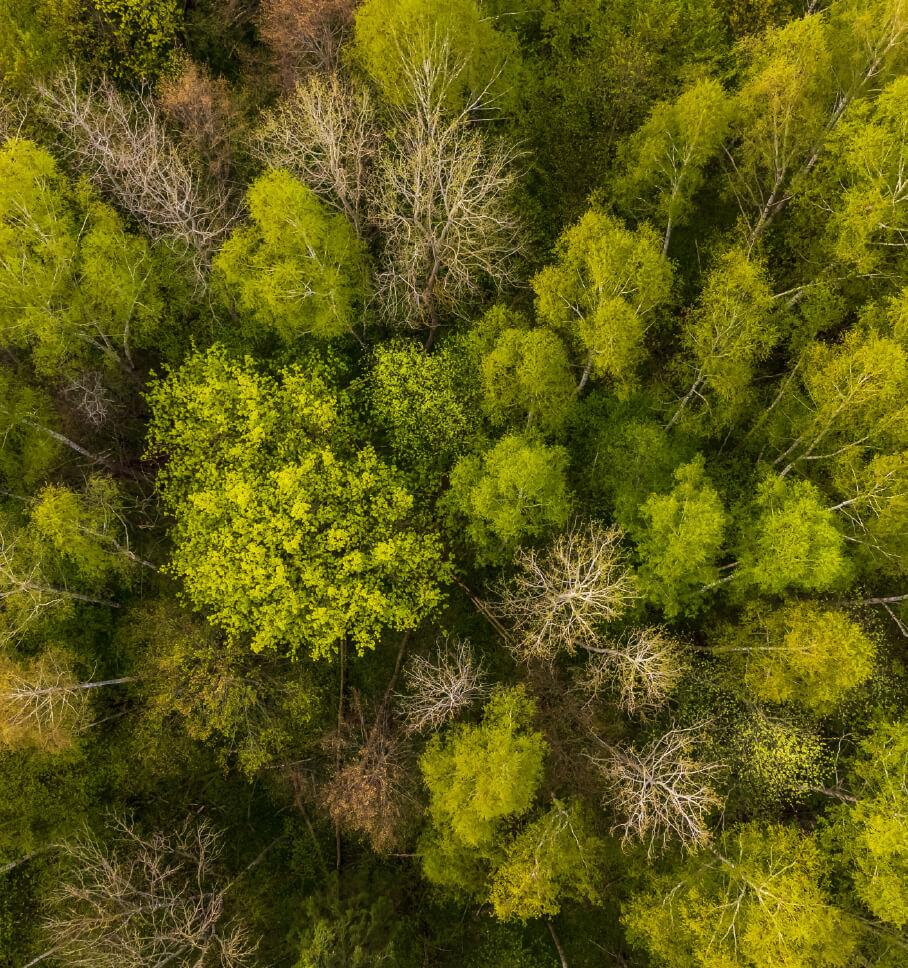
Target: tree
326,134
681,538
640,669
477,776
87,528
728,334
661,794
803,654
552,859
297,269
800,81
440,686
516,490
394,37
601,293
42,702
425,404
126,151
526,376
33,585
144,900
442,204
73,283
792,541
285,532
557,601
871,829
774,762
304,32
854,400
131,40
255,710
668,153
755,900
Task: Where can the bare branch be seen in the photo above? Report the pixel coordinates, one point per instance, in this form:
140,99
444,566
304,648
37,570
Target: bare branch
556,601
439,687
125,149
662,793
642,668
144,903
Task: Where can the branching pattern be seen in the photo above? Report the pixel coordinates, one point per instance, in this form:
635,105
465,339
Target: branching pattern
557,600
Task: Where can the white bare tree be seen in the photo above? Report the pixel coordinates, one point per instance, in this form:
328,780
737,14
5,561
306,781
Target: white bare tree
442,202
557,600
125,149
662,793
42,701
326,134
642,668
144,902
439,686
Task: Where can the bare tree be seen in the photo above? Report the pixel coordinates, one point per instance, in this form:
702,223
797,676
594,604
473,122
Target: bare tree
144,902
90,397
443,201
662,793
202,107
326,134
556,601
439,686
42,702
643,668
126,150
303,33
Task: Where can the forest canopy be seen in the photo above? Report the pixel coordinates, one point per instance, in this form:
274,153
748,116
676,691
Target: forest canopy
453,484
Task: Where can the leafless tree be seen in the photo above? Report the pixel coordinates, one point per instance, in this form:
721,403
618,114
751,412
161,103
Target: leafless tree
42,702
556,600
90,397
368,794
144,902
662,793
642,668
326,134
442,203
439,686
126,150
204,110
304,33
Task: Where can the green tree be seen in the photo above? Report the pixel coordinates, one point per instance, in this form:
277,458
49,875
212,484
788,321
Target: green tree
554,858
478,776
871,831
285,531
669,152
424,403
729,332
526,377
758,899
869,221
854,400
518,489
254,709
395,36
298,268
802,654
792,540
73,283
601,293
681,538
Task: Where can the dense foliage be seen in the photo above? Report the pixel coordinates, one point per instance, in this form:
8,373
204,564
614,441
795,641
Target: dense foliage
453,483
